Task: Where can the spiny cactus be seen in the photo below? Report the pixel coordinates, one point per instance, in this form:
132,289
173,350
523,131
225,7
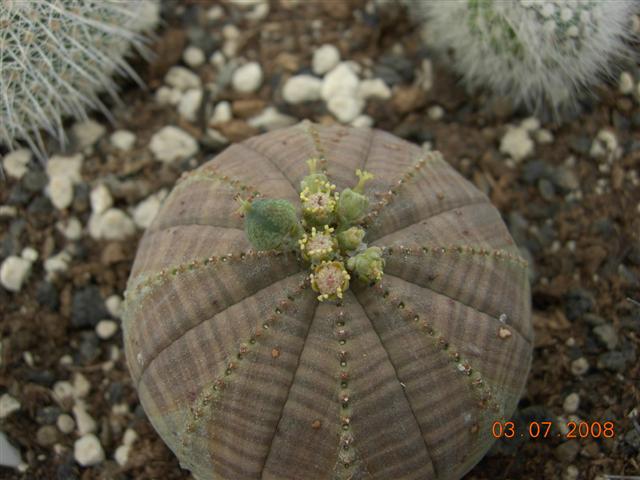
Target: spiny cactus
383,345
534,52
57,56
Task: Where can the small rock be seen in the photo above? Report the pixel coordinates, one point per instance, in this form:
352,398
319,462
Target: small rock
65,166
341,81
605,142
566,452
345,108
47,435
374,88
407,99
271,119
14,272
571,403
71,228
565,178
543,136
171,144
579,366
15,163
516,143
221,113
34,181
57,264
301,88
81,386
101,199
123,140
362,121
47,295
88,451
181,78
121,455
625,84
114,305
47,415
168,96
425,75
87,133
9,455
60,192
87,307
106,329
578,301
113,224
247,78
530,124
190,104
435,113
62,391
85,422
612,361
146,211
545,187
29,254
8,405
193,56
325,58
65,423
217,59
607,335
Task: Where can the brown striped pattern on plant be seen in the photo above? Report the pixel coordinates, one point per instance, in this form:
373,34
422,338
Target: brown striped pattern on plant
246,375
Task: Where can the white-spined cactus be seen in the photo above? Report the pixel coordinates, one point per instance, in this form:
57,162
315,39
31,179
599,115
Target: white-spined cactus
57,56
534,52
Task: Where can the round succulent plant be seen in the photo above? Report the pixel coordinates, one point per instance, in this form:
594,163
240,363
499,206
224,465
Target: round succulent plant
363,314
534,52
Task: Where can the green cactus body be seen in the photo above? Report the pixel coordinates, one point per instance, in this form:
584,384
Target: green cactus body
315,361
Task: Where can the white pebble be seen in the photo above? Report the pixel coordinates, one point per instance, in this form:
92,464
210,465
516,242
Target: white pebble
604,142
362,121
65,423
325,58
216,137
517,144
217,59
341,81
15,163
530,124
168,96
435,113
8,211
8,405
71,228
113,224
123,140
580,366
60,190
374,88
345,108
571,403
106,329
190,103
301,88
87,133
182,78
88,451
81,386
221,113
247,78
215,13
171,144
30,254
114,305
101,199
14,272
625,84
121,455
65,166
57,264
62,390
85,422
544,136
193,56
271,119
129,437
146,211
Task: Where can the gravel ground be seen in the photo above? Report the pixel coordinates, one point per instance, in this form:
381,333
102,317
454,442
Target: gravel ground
569,193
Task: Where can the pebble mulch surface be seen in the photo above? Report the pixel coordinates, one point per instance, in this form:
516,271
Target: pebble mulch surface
225,71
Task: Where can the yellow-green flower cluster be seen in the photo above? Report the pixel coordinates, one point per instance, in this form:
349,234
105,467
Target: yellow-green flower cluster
329,235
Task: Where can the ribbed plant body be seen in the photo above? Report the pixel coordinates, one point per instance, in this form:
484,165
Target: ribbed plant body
537,53
246,373
58,56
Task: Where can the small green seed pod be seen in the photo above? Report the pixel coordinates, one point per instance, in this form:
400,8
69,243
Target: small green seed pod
271,224
352,204
351,238
367,265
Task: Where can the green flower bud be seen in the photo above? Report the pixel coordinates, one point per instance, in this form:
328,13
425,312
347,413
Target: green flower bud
330,280
318,246
271,224
352,204
367,265
314,181
351,238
